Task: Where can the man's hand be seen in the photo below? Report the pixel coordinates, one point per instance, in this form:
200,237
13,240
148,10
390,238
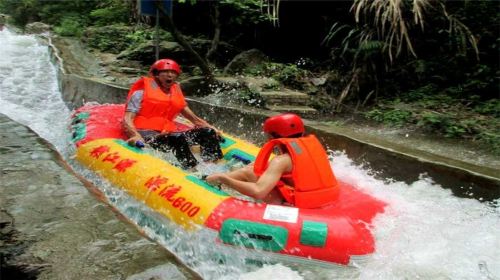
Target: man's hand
215,179
133,140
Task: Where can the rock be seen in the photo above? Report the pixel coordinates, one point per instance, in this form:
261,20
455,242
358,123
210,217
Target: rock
129,70
195,86
319,81
244,60
37,28
229,82
257,85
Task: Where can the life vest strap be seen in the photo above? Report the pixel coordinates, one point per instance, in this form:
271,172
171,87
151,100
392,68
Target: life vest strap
286,191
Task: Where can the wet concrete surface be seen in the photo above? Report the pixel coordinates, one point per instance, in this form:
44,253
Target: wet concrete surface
52,227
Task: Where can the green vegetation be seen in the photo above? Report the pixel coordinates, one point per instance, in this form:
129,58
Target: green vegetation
119,37
441,114
287,73
69,18
432,65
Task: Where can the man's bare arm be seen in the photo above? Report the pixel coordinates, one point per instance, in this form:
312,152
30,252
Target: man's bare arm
129,128
265,183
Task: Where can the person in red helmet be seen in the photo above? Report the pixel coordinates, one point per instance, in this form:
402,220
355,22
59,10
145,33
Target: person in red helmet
299,175
153,103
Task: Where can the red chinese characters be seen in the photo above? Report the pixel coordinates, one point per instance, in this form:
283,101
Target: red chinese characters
155,182
120,164
169,193
111,157
98,151
123,164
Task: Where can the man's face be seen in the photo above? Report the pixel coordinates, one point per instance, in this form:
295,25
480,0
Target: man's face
167,78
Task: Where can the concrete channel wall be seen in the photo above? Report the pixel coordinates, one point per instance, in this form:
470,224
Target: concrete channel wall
386,159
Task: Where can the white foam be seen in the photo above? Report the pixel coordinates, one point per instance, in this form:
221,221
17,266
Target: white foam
277,271
29,88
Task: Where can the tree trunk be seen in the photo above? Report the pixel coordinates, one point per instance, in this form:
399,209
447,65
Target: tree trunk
205,68
217,29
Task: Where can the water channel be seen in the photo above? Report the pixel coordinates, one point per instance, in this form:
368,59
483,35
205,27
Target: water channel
425,233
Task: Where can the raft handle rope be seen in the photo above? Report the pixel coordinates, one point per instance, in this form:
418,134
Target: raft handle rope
240,158
253,235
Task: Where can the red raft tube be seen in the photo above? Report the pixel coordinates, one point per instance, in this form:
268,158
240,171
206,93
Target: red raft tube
333,234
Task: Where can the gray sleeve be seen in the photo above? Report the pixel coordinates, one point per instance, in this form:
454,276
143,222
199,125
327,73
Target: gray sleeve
134,103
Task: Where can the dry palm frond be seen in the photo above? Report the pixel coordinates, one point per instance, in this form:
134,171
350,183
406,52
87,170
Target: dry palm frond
272,10
463,32
391,35
353,82
392,26
419,8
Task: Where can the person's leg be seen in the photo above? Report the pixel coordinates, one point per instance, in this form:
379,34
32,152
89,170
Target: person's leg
209,142
176,142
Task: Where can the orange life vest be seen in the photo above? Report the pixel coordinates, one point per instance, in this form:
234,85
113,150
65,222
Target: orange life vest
314,184
158,110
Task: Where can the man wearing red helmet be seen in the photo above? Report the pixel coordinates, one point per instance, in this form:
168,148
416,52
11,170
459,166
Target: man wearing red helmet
153,103
299,175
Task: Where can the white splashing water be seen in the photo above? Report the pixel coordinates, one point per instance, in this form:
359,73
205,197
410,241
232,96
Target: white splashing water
425,233
29,91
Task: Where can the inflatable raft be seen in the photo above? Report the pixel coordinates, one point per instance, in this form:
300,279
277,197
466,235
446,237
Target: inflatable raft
332,234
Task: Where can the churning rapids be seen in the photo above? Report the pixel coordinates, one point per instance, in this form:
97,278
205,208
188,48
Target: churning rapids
425,232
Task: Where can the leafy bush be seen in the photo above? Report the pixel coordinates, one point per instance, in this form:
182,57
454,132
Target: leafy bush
70,26
492,139
490,107
288,74
393,117
117,38
108,39
116,13
443,115
143,34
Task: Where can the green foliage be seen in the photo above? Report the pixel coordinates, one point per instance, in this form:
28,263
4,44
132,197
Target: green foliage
289,74
457,51
449,125
392,117
143,34
67,16
21,11
117,38
420,93
442,114
244,11
70,26
112,12
490,107
491,138
108,39
54,12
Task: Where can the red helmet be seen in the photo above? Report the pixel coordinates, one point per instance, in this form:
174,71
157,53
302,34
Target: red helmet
164,64
284,125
